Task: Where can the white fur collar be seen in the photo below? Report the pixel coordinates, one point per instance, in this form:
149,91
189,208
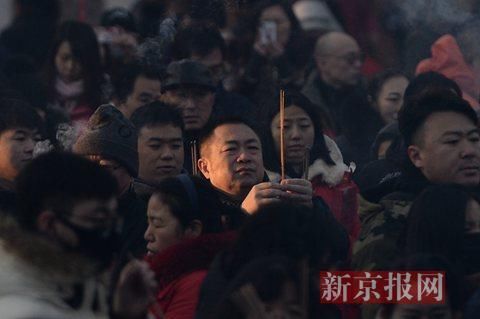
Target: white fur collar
332,175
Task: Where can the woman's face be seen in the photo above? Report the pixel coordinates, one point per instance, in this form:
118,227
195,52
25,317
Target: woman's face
277,15
299,134
390,98
472,217
164,230
68,67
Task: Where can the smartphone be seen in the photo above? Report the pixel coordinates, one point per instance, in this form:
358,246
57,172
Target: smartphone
268,32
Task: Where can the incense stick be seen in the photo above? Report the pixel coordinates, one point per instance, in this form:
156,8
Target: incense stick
193,150
306,163
282,133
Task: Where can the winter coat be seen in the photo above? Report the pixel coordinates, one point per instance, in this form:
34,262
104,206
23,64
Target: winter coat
39,280
334,185
133,211
312,90
347,113
180,271
448,60
383,221
217,285
383,224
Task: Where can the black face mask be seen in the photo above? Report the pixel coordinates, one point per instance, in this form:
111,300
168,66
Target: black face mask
471,253
99,244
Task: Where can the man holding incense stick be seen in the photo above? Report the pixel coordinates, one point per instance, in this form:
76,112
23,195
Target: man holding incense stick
231,159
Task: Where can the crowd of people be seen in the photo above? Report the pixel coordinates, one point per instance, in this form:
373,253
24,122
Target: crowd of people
150,167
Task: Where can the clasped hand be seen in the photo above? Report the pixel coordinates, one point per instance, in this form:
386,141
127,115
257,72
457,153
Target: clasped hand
294,190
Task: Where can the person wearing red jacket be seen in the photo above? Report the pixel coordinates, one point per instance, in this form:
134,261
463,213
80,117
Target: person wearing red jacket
182,240
312,155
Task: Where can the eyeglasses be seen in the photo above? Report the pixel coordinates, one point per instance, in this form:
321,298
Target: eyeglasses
351,58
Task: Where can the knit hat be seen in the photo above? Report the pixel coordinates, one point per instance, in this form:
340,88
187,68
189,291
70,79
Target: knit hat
111,135
188,72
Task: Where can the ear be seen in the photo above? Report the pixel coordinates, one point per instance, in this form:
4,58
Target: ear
415,156
194,229
45,222
204,167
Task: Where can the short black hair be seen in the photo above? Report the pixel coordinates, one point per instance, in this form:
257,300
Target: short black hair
58,181
119,17
454,284
125,81
190,198
436,221
207,131
200,39
155,114
318,150
430,81
375,85
415,111
286,229
17,113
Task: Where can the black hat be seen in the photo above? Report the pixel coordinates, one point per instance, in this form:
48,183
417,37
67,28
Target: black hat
112,135
188,73
119,17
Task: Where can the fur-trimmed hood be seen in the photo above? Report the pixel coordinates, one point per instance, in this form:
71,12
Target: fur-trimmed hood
188,256
332,175
38,278
43,254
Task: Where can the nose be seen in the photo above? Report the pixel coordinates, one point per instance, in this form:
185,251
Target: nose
69,65
148,234
243,156
295,132
470,149
358,63
29,145
166,153
189,104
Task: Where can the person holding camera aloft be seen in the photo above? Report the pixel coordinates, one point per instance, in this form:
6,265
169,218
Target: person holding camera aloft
278,51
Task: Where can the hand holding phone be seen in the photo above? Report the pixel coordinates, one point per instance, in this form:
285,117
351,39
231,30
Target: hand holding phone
268,32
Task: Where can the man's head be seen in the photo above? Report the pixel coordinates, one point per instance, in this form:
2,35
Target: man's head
136,86
189,86
440,131
71,201
20,128
231,157
160,141
111,140
202,43
338,59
